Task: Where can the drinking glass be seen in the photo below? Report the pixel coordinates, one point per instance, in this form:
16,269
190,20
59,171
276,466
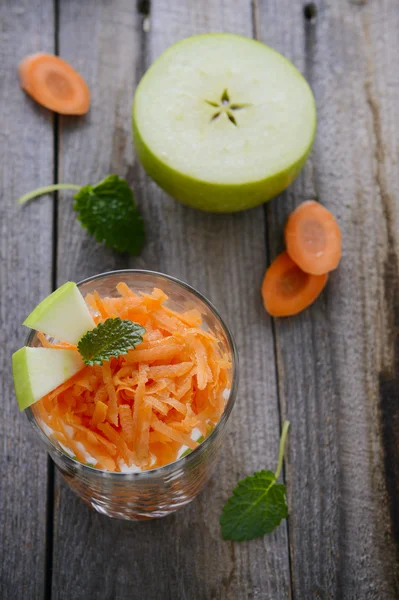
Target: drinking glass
160,491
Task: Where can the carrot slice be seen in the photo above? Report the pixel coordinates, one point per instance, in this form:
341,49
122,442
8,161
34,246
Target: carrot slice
287,290
313,238
53,83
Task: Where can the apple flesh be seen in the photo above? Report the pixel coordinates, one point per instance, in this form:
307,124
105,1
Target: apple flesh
222,122
38,371
63,315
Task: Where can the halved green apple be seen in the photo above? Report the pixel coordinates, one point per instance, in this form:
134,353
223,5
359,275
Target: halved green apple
222,122
38,371
63,315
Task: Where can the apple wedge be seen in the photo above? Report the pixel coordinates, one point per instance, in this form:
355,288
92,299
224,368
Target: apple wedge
38,371
63,315
222,122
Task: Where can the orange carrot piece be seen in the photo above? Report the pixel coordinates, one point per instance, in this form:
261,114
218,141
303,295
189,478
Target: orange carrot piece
202,363
177,436
179,406
158,405
125,290
119,442
166,352
287,290
111,448
113,402
191,318
104,461
99,414
101,394
126,420
155,387
166,322
142,445
53,83
155,436
100,306
169,370
164,453
139,401
313,238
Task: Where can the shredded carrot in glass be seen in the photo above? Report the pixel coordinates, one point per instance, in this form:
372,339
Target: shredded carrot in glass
142,407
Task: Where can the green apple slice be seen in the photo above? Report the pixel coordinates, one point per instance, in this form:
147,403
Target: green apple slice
222,122
63,315
38,371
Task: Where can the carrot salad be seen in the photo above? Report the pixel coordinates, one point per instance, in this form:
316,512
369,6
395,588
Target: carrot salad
141,409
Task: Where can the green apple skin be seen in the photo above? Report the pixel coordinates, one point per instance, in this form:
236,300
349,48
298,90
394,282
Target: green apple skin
63,315
38,371
211,196
22,383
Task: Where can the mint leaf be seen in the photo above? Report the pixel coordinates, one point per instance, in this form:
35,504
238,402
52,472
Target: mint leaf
107,210
108,339
109,213
258,503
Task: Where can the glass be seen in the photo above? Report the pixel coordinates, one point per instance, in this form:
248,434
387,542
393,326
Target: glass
161,491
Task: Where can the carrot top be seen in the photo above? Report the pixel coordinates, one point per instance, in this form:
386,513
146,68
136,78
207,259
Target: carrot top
139,410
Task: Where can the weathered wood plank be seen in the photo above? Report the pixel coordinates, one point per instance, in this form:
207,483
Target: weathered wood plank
340,392
25,275
224,258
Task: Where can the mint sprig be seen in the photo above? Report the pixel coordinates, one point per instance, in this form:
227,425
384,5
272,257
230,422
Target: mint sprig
109,339
107,210
258,503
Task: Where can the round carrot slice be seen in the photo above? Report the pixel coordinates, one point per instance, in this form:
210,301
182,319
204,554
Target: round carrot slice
313,238
287,290
53,83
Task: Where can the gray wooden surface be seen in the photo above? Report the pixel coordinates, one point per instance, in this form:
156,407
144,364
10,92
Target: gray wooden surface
332,371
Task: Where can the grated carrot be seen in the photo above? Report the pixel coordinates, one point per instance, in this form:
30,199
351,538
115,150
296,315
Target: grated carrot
141,407
113,402
126,420
99,414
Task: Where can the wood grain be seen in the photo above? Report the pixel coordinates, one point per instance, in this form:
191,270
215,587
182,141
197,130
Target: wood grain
25,278
224,257
340,392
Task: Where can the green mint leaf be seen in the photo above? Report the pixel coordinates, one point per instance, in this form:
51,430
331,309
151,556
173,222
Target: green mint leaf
258,503
109,339
256,507
109,213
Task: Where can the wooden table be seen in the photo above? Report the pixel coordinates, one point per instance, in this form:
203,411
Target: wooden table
333,371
